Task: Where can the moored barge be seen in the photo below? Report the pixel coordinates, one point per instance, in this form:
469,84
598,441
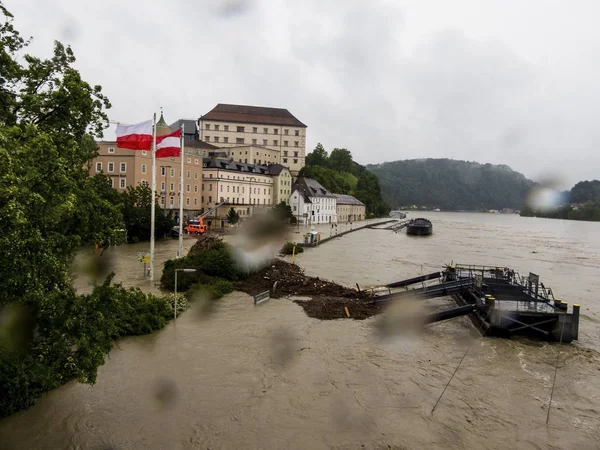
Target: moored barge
419,227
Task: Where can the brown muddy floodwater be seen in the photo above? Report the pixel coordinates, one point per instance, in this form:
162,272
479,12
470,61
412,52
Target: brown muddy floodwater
270,377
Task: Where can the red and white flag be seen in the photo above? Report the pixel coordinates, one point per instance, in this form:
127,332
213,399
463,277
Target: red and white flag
135,137
169,144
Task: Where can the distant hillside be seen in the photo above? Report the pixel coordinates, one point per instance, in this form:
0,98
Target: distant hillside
451,185
585,192
582,202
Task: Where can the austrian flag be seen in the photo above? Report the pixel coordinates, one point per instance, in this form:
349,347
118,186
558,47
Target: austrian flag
168,145
135,137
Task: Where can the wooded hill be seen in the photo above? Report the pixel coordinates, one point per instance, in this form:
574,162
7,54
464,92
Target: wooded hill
340,174
451,185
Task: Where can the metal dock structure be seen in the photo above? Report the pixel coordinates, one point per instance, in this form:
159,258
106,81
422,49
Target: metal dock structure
498,301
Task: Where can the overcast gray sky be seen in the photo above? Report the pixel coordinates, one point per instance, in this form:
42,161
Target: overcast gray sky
507,81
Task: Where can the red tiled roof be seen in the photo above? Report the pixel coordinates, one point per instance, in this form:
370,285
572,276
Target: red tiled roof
252,114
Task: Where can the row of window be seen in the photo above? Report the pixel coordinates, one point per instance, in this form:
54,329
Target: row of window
255,190
172,201
144,153
238,201
265,142
188,187
111,167
285,153
285,160
242,129
252,179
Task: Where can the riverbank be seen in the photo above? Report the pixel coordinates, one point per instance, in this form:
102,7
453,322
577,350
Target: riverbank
329,232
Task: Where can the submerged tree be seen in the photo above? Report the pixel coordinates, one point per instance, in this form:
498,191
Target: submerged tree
283,212
233,216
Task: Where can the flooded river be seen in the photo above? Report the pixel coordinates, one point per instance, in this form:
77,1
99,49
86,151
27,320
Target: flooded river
270,377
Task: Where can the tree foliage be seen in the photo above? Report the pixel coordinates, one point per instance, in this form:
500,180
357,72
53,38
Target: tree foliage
340,174
283,212
74,335
318,157
136,207
341,160
451,185
49,205
331,180
587,212
49,208
233,216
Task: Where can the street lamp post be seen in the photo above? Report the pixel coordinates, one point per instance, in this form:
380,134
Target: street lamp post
250,196
175,299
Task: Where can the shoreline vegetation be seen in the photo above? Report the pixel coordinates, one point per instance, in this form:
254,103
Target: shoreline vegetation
588,213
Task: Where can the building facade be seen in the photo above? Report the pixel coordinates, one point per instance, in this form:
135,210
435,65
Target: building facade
251,154
273,128
282,183
311,203
349,208
134,167
247,188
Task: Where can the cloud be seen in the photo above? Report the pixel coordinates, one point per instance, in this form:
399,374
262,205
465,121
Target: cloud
385,81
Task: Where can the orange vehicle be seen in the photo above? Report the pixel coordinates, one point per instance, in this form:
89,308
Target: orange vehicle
196,226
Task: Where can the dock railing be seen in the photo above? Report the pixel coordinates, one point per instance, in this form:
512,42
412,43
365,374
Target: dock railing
529,284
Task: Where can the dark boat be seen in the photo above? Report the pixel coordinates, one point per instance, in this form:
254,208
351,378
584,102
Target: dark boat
419,227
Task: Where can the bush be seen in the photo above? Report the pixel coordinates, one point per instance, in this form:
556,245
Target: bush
213,288
215,261
222,287
206,242
288,248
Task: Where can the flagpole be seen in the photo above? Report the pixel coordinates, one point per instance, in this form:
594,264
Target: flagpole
181,154
153,200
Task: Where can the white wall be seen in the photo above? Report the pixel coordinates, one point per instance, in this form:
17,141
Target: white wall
320,210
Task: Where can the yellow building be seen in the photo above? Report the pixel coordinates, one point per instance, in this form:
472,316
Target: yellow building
252,154
273,128
282,183
349,208
248,188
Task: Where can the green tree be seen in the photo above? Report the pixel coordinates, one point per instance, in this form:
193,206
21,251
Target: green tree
330,179
136,204
49,208
233,216
341,160
318,157
283,212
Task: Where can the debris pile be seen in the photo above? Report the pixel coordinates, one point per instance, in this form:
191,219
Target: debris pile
328,300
